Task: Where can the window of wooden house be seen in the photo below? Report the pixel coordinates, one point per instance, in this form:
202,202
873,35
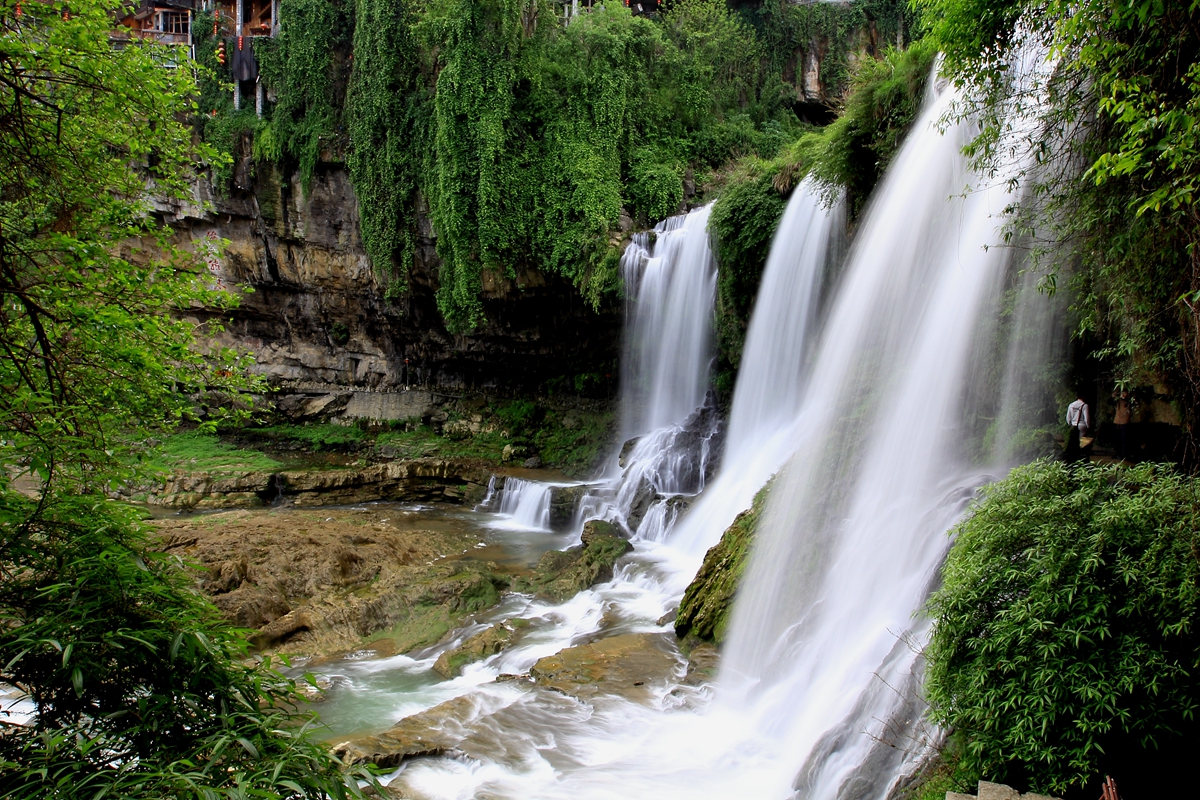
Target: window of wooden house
173,22
257,17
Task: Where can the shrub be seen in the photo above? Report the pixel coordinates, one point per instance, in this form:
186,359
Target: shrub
884,99
517,415
1065,643
141,690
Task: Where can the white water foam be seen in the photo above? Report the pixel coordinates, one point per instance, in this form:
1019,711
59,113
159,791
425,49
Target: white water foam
815,697
524,505
775,364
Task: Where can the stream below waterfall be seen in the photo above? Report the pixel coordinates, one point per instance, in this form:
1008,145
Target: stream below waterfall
860,390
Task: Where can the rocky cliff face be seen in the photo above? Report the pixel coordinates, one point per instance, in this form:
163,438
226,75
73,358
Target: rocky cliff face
317,313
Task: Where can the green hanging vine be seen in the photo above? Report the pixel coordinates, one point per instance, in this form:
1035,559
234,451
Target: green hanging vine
387,116
525,140
474,178
306,66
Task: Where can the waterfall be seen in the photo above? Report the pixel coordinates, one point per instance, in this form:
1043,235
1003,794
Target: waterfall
867,397
670,288
818,692
526,504
668,423
771,377
825,635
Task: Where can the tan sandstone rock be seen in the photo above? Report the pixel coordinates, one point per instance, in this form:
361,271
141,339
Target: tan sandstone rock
624,665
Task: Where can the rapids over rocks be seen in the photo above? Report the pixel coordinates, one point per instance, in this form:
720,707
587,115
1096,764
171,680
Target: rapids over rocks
858,386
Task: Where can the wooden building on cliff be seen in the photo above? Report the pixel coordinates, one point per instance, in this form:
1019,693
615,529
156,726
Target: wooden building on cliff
162,21
240,22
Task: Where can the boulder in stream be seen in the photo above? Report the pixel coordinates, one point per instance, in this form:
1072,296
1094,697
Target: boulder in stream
430,733
486,643
626,665
561,574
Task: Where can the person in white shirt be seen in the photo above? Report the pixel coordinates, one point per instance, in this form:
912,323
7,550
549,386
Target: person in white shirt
1077,416
1079,420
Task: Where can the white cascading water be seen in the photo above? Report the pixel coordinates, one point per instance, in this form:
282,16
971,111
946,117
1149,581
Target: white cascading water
824,651
667,426
774,365
525,504
816,697
670,286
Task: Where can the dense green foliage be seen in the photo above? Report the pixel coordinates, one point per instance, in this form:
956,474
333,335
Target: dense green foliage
543,135
386,116
852,153
525,140
142,690
867,26
139,690
88,347
1065,633
847,158
224,130
303,65
1115,191
743,224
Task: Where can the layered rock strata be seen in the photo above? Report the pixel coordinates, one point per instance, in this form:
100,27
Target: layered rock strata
319,313
415,480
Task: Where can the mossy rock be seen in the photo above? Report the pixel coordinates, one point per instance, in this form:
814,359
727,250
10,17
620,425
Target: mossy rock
561,574
476,648
708,600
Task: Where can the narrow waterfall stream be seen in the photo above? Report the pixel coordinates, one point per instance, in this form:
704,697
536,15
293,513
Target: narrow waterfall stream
855,387
775,363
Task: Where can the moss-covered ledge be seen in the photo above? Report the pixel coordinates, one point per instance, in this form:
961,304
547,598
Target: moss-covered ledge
704,610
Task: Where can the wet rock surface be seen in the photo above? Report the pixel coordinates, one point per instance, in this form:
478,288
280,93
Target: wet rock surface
561,574
322,582
628,666
563,502
707,602
486,643
429,733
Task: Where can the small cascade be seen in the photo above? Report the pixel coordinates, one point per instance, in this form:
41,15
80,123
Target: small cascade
670,279
669,419
525,505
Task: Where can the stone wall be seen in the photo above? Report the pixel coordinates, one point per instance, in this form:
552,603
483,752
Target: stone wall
996,791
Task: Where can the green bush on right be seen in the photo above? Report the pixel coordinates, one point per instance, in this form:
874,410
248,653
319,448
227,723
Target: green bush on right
1065,644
